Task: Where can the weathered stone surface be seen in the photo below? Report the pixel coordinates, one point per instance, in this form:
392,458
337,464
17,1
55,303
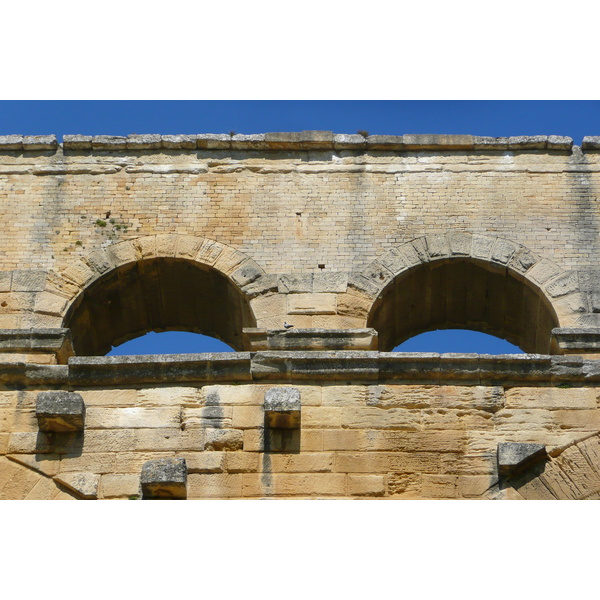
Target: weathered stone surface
165,478
282,408
39,142
77,142
513,457
60,411
83,484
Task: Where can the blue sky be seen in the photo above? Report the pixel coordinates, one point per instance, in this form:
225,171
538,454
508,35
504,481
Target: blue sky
395,117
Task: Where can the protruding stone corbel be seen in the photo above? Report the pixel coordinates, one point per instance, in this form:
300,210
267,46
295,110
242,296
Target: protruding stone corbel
164,479
282,408
514,457
60,412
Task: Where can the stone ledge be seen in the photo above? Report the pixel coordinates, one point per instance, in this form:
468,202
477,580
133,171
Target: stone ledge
293,141
256,339
342,365
577,340
45,341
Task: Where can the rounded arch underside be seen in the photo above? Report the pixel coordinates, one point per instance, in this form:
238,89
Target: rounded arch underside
464,293
157,294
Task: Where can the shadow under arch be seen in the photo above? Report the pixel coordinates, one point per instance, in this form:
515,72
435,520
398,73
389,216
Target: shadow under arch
157,294
464,293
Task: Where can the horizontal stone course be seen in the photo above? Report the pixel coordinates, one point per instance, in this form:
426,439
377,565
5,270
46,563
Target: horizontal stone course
293,140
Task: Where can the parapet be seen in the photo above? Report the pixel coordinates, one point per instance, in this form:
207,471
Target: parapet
292,141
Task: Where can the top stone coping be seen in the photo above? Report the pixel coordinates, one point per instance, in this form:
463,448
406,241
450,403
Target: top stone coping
302,140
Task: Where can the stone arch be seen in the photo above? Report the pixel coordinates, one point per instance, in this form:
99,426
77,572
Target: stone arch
155,283
465,281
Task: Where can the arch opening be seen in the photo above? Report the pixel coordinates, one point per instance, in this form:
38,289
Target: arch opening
463,341
464,293
158,294
170,342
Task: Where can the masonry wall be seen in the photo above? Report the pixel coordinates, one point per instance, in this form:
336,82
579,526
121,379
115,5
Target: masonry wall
105,238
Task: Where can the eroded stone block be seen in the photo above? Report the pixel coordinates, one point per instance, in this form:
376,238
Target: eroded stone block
513,456
60,411
282,408
165,478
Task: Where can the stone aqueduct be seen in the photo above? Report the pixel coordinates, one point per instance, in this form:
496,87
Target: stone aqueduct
357,242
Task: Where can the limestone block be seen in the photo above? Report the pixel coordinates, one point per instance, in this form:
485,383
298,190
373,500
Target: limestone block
385,142
366,485
513,457
205,462
109,142
269,306
523,259
77,142
566,283
559,142
28,281
304,462
45,464
294,484
395,261
120,485
241,462
122,253
591,142
523,418
83,484
460,243
527,142
385,462
245,417
311,304
209,252
407,485
481,246
474,486
439,486
218,141
183,142
44,489
223,439
164,478
428,141
46,302
583,420
60,411
282,408
363,284
378,274
490,143
448,419
503,250
543,271
5,281
39,142
11,142
214,485
377,418
551,398
343,141
132,417
330,282
246,273
248,142
295,283
438,247
143,142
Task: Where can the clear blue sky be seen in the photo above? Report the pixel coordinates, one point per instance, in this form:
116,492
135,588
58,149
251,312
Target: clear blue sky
494,118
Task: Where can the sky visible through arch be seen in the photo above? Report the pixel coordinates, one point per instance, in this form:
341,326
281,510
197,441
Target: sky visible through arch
490,118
